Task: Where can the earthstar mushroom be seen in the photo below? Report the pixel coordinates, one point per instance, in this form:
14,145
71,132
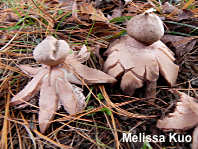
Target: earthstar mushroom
55,79
137,62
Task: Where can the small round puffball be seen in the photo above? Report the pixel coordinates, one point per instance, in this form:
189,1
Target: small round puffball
51,51
146,28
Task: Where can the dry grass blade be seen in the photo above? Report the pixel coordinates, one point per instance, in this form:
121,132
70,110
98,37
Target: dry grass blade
157,8
18,128
66,117
87,138
11,39
186,40
26,125
51,141
188,4
4,83
19,136
44,11
75,15
75,118
4,139
115,132
122,111
114,126
10,134
4,66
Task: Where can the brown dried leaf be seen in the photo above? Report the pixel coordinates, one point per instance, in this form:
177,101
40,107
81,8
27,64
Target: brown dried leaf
66,1
75,15
181,14
185,115
117,12
184,14
87,8
12,17
96,15
5,35
99,16
178,44
168,8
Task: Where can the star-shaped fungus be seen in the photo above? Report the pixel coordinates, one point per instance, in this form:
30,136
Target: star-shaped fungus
184,117
140,56
56,78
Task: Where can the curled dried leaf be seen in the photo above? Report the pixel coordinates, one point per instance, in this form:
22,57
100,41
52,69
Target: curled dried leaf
168,8
75,15
179,44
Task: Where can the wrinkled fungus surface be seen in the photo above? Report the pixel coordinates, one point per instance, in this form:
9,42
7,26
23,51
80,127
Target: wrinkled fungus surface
56,78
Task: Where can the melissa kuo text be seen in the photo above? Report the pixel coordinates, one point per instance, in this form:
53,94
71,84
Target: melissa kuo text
142,137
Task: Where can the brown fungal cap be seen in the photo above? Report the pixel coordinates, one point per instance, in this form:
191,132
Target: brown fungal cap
147,28
51,51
